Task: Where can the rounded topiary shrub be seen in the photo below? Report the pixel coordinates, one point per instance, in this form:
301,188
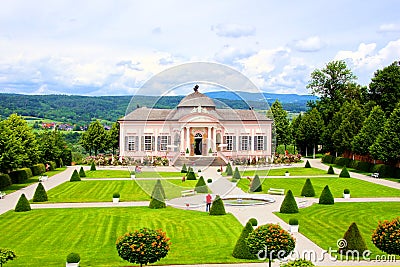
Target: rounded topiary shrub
344,173
228,169
308,165
82,172
346,191
22,204
253,221
326,197
92,166
255,185
354,240
73,258
75,177
241,250
209,180
217,207
190,175
5,181
184,168
330,170
116,195
236,174
289,204
308,189
20,176
201,186
386,236
38,169
40,194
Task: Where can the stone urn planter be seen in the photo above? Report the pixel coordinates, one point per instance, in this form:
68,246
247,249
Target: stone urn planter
294,225
346,194
287,173
133,175
73,260
116,198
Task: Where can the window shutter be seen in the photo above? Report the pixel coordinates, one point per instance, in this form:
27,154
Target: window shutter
255,142
142,144
159,143
240,142
234,143
224,139
265,143
169,140
249,145
136,143
126,143
153,140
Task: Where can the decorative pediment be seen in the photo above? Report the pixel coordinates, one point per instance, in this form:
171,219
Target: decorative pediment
196,117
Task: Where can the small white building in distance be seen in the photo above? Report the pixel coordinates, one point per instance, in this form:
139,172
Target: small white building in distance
196,131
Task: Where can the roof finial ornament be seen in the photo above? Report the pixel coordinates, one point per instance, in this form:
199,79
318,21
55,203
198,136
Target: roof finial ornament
196,88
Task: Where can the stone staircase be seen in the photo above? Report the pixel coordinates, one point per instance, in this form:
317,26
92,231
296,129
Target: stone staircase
200,161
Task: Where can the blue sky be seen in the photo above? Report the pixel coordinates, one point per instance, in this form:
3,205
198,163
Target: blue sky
112,47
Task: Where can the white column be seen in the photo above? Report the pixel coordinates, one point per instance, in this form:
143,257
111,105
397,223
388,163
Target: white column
214,140
252,141
182,146
209,139
188,138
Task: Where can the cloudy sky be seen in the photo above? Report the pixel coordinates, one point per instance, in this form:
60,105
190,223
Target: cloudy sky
112,47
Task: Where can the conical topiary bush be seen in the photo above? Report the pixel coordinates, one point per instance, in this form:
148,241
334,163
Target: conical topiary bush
308,165
184,168
344,173
236,175
217,207
326,197
190,174
241,250
330,170
256,185
75,177
82,172
40,194
354,240
228,169
201,186
92,166
22,204
157,201
158,186
308,189
289,204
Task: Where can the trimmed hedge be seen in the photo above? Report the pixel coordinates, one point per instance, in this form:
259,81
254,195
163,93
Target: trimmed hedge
5,181
364,166
53,165
330,170
184,169
38,169
355,241
190,175
92,166
158,186
82,172
40,194
308,189
217,207
354,164
308,165
73,258
236,174
75,177
22,204
241,250
344,173
20,176
328,159
228,169
289,204
201,186
157,201
256,185
326,197
342,161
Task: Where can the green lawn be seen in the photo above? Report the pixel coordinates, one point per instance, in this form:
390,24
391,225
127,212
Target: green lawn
358,188
44,237
102,191
325,224
160,174
32,180
108,174
295,171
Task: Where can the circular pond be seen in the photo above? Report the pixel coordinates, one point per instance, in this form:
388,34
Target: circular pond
247,200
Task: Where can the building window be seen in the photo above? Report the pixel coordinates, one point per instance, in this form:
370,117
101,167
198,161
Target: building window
148,144
229,143
131,143
244,142
260,142
163,143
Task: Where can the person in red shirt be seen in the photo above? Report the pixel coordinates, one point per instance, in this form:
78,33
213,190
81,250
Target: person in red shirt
208,202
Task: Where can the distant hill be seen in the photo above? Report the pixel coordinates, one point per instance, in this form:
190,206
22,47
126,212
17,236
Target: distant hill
81,110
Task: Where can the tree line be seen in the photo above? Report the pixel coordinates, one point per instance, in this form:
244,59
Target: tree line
348,118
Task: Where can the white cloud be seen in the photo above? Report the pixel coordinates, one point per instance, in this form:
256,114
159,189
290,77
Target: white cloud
389,28
362,57
310,44
229,54
233,30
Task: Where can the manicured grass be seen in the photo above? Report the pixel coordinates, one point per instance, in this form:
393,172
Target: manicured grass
160,174
325,224
295,171
44,237
358,188
102,191
108,174
32,180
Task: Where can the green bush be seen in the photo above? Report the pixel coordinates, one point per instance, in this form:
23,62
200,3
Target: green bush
217,207
326,197
355,242
73,258
92,166
52,165
6,255
308,189
289,204
298,263
330,170
158,186
22,204
184,169
344,173
20,176
328,159
293,221
190,175
386,236
60,163
82,172
40,194
354,164
201,186
5,181
308,165
38,169
253,221
241,250
116,195
364,166
157,201
346,191
236,174
228,169
209,180
342,161
256,185
75,177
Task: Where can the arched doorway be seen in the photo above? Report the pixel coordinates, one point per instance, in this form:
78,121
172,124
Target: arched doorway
198,144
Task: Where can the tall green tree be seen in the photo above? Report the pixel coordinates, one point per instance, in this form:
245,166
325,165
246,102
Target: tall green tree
371,128
384,88
53,147
94,139
282,126
311,128
113,137
297,138
10,147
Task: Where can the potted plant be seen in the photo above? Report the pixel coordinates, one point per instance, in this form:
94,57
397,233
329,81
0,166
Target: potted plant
187,151
116,196
294,225
346,193
133,174
73,259
287,173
